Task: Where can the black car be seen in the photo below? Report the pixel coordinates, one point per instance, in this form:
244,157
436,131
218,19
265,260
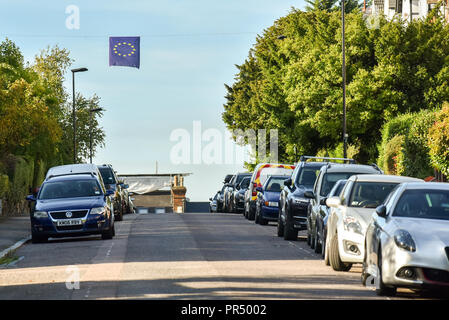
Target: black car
292,203
321,221
238,197
229,191
121,198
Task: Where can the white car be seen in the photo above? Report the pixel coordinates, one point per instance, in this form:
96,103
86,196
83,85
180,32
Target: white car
350,214
407,241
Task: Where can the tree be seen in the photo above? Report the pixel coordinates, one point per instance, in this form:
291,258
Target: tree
294,84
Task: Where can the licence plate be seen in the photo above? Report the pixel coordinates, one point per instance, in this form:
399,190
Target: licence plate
273,204
72,222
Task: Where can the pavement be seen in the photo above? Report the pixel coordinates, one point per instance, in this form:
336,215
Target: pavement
12,231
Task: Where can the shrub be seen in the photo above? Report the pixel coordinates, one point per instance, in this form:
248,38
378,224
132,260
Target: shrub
438,140
404,148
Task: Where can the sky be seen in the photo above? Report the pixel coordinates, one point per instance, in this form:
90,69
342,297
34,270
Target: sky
189,49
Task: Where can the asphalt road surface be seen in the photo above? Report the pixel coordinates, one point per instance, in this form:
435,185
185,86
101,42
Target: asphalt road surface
171,256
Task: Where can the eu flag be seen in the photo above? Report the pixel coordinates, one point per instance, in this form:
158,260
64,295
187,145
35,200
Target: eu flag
124,51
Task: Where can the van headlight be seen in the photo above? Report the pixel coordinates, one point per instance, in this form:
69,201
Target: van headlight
99,210
40,214
404,240
352,224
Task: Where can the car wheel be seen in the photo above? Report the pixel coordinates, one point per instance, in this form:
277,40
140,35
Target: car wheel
324,251
256,215
290,233
334,256
280,226
108,234
251,213
309,240
382,289
317,244
38,239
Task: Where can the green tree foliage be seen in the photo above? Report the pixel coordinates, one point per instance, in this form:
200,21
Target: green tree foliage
295,85
34,119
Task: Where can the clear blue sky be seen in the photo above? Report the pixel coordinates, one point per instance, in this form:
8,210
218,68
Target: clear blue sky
188,52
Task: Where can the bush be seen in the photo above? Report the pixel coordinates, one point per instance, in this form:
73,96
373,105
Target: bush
438,140
416,160
20,172
404,148
4,185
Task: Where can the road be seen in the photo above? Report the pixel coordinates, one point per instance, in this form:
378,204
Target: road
172,256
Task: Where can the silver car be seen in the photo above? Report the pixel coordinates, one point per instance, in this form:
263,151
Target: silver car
407,241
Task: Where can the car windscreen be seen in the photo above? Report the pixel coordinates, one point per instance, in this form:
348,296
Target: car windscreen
370,194
107,175
274,184
425,204
239,178
274,171
330,179
69,189
245,183
338,187
307,177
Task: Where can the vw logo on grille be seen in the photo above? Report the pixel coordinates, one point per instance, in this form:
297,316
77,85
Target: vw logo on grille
68,214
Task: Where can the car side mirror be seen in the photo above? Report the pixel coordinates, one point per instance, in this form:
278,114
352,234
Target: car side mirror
288,182
237,187
381,211
323,201
309,195
126,186
259,189
30,198
333,202
210,199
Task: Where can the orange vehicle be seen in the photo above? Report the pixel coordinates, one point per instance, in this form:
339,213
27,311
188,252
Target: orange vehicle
260,175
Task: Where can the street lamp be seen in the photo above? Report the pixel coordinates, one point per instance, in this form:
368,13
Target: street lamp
92,111
345,135
73,110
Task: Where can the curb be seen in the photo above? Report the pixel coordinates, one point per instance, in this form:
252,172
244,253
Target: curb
15,246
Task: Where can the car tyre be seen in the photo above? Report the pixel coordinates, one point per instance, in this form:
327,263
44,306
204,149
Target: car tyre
109,234
325,252
280,227
290,233
334,256
317,244
382,289
38,239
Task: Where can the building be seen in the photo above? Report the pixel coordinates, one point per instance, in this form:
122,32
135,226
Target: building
157,193
407,9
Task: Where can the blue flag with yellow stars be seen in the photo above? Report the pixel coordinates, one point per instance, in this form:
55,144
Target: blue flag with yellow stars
124,51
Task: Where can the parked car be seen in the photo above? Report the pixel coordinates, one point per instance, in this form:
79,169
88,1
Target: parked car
79,168
267,203
239,195
260,175
213,203
220,199
72,205
322,219
229,191
326,180
350,214
111,181
407,240
292,203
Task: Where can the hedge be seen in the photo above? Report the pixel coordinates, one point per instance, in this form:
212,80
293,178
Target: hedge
404,149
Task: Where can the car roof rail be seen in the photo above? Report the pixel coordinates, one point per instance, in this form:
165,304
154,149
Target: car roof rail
327,159
70,174
375,166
